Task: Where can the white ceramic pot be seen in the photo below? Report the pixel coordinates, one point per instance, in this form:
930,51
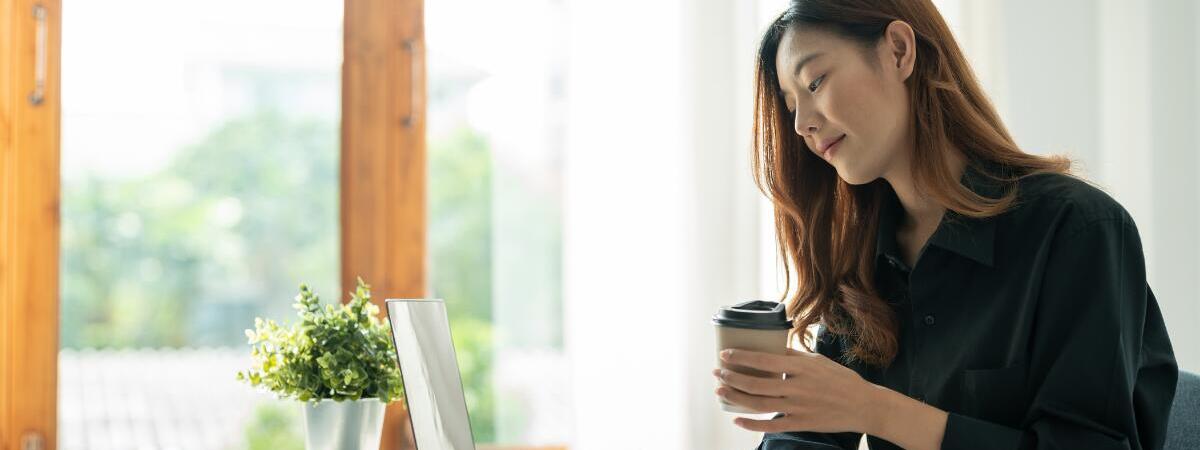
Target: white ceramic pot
346,425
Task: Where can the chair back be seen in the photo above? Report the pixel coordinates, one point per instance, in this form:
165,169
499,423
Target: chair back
1183,427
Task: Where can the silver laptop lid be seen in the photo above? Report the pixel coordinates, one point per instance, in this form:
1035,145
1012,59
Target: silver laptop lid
432,384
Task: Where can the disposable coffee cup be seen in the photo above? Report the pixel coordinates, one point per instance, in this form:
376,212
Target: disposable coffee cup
757,325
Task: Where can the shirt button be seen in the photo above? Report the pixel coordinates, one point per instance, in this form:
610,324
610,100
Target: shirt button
929,320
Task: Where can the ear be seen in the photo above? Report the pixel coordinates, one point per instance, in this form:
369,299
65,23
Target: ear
900,44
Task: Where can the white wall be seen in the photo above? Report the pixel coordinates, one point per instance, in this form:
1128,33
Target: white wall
1114,85
1171,147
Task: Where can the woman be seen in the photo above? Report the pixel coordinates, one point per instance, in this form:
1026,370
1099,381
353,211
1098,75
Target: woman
968,295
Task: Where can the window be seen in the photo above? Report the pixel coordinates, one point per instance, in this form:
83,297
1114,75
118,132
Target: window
200,187
495,142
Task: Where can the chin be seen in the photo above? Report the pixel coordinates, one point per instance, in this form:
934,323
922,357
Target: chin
854,178
857,174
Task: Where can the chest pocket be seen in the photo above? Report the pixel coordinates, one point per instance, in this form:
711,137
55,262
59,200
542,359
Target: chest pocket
997,395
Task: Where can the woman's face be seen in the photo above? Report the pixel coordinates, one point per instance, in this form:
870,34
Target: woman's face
853,98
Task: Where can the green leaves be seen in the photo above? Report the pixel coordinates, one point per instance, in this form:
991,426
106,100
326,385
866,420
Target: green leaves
342,352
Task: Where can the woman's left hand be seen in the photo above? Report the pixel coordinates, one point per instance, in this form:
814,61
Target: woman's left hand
817,394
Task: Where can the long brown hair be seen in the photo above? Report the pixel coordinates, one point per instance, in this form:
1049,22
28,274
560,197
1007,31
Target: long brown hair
820,220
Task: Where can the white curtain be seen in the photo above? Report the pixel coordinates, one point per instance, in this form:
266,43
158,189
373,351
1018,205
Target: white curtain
661,216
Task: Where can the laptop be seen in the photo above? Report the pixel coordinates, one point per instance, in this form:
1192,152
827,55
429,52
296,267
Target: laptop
433,388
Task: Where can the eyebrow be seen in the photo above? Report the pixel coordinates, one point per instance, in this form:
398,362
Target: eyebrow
800,65
803,61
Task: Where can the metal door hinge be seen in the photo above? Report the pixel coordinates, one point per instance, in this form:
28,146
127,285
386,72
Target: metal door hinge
40,54
32,440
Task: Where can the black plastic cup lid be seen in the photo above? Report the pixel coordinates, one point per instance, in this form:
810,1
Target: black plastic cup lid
756,314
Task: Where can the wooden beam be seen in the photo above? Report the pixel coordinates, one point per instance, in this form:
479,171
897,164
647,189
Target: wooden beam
29,224
383,211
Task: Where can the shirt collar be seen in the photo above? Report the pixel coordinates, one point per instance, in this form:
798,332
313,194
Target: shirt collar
966,236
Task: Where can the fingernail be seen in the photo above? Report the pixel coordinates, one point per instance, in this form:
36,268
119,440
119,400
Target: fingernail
725,355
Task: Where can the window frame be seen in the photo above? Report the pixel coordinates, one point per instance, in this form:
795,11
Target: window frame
29,225
383,162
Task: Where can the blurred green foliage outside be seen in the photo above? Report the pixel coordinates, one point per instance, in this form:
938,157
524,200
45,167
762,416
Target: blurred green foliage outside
188,255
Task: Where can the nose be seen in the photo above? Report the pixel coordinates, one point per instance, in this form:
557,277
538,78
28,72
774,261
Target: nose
807,122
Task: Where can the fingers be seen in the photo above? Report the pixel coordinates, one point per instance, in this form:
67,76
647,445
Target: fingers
767,362
767,387
794,352
776,425
753,402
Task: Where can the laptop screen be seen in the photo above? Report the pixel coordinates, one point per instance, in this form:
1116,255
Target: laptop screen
432,385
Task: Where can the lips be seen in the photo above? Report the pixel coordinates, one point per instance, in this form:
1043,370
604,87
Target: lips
824,146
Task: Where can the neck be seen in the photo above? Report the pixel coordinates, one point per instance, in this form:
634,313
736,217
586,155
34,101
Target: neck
920,211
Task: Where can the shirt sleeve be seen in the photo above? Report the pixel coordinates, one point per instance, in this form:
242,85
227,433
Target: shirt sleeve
810,440
1101,366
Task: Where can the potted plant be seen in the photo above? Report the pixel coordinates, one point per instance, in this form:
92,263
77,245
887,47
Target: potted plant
339,360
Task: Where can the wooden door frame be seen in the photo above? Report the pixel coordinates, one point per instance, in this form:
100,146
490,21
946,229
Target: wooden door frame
29,224
383,168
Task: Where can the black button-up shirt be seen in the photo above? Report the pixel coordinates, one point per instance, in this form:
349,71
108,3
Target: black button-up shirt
1033,329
